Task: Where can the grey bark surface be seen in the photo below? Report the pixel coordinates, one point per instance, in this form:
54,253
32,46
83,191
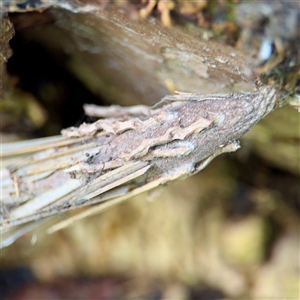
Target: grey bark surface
230,228
128,155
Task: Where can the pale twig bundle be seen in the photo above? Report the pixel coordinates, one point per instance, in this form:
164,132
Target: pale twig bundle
131,151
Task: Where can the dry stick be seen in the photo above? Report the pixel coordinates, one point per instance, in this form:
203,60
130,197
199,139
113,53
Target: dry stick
147,187
107,162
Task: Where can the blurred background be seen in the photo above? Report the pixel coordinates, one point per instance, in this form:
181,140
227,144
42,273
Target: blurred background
229,232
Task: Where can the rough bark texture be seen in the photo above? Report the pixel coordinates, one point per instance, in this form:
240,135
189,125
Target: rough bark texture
225,232
173,142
